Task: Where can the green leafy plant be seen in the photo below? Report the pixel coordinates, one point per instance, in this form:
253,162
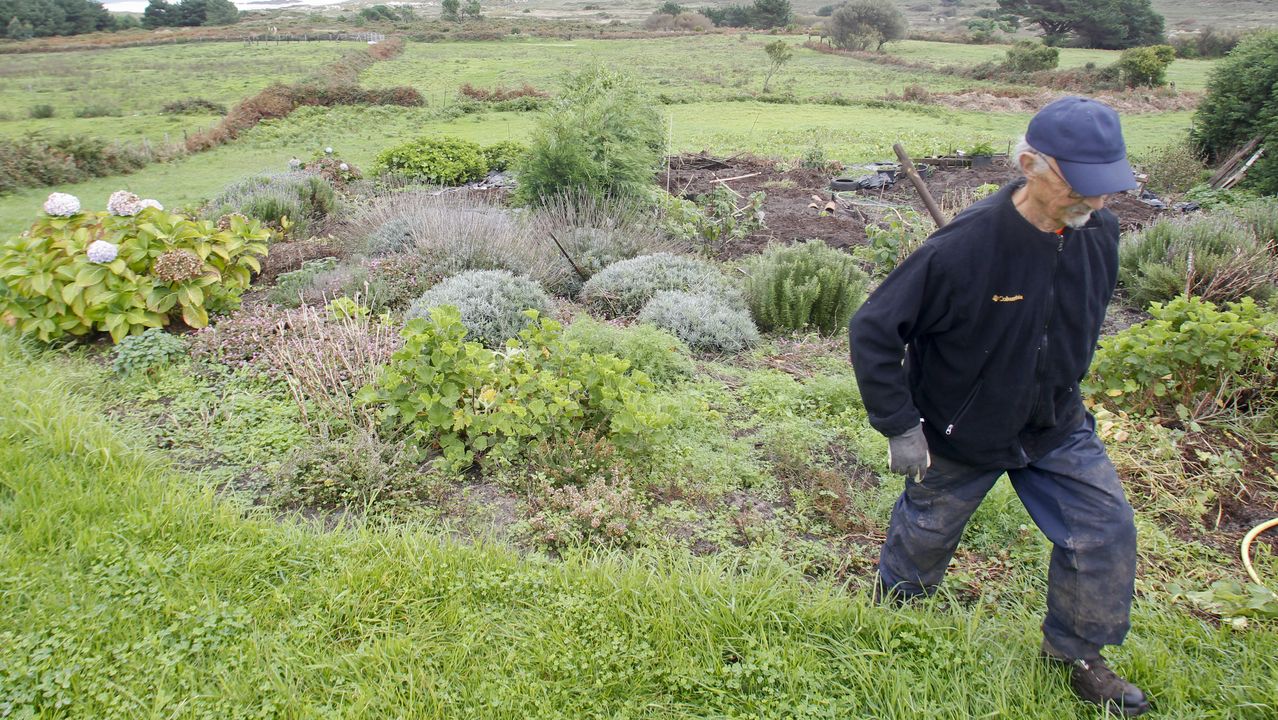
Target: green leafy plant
705,322
651,350
151,267
893,240
801,286
715,220
469,400
492,303
503,155
1031,56
622,289
981,149
147,352
345,308
442,160
1188,359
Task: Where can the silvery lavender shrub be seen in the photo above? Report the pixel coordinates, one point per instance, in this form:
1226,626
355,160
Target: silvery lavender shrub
491,303
303,198
622,289
706,323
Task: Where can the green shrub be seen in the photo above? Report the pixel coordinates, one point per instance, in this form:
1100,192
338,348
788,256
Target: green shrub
303,198
290,287
802,286
145,353
492,303
470,400
605,512
1031,56
98,110
1173,167
892,240
601,137
1213,257
193,106
651,350
503,155
705,322
124,274
439,160
1242,103
622,289
1146,66
43,111
359,472
1190,357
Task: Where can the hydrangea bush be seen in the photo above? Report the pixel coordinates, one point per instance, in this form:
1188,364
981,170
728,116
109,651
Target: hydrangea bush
492,303
123,272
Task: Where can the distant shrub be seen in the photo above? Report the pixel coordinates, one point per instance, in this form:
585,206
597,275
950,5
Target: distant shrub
705,322
801,286
1146,66
36,161
622,289
1240,105
503,155
290,287
152,350
492,303
601,137
1216,258
305,199
500,94
1031,56
1173,167
43,111
442,160
684,21
94,110
193,106
1206,43
1189,354
658,354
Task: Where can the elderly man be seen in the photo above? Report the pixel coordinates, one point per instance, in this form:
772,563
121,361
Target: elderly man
996,317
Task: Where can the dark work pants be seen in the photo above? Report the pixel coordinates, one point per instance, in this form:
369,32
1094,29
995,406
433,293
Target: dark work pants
1073,495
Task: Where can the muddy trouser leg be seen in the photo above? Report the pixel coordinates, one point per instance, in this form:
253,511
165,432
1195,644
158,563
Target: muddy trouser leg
1075,498
926,524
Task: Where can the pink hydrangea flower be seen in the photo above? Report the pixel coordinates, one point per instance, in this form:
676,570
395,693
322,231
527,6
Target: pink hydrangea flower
124,203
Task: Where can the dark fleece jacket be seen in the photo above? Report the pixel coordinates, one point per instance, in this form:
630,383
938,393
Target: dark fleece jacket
1001,320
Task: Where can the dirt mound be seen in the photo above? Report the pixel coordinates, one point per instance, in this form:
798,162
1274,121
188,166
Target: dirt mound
792,190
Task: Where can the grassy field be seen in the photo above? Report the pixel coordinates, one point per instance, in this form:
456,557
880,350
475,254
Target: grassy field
135,83
1187,74
709,100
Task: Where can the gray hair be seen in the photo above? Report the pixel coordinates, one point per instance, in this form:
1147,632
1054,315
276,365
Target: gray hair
1024,148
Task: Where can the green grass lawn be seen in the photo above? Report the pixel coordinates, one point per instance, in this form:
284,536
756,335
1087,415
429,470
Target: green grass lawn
137,82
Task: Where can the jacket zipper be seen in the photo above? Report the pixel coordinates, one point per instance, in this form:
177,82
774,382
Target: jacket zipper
971,396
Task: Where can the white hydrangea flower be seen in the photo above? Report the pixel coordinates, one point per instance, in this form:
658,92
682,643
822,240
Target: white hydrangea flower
124,203
294,163
62,204
343,167
149,203
328,151
101,251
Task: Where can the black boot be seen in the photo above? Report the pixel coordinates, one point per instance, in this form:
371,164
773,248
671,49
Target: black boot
1095,682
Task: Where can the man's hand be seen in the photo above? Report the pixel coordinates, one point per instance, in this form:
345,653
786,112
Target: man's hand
907,454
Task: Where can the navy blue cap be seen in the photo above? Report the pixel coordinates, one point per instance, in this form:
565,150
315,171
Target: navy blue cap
1084,137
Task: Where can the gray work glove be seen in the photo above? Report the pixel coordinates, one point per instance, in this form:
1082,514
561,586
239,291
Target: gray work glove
907,454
